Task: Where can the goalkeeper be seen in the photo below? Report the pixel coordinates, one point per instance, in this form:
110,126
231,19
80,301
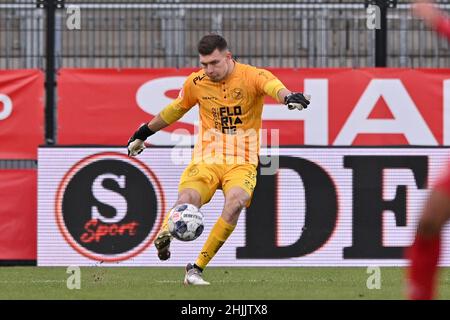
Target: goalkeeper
230,96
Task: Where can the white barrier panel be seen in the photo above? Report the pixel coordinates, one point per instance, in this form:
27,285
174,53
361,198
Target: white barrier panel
324,207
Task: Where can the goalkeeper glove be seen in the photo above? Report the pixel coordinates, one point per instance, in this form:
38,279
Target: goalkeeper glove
296,100
136,142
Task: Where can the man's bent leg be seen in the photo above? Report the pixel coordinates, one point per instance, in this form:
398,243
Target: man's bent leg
188,195
162,241
235,200
206,180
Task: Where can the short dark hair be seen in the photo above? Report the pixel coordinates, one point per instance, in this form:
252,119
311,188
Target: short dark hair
211,42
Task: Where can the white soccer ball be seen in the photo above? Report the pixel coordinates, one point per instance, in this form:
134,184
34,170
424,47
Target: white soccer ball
185,222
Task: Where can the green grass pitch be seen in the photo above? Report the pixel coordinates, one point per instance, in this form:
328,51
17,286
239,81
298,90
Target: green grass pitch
227,283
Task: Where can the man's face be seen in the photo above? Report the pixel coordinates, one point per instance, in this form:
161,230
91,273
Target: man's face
216,64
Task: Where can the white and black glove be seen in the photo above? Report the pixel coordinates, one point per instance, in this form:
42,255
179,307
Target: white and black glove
296,100
136,142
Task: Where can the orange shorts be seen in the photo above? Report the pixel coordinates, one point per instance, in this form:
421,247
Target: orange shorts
207,178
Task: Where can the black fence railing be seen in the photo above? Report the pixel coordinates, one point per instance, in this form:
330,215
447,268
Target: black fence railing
122,34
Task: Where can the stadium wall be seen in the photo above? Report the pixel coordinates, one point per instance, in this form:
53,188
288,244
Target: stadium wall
351,107
21,131
323,207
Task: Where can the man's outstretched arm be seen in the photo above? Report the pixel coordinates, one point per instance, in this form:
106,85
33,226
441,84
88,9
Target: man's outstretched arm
136,142
433,17
167,116
277,90
294,100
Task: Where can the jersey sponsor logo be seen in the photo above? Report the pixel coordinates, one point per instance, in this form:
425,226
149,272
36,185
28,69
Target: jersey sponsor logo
230,119
209,98
198,78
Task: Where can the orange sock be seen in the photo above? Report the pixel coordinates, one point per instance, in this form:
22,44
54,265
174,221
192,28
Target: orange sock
165,225
217,237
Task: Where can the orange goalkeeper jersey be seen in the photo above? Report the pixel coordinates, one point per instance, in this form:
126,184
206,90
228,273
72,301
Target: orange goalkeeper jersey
230,113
